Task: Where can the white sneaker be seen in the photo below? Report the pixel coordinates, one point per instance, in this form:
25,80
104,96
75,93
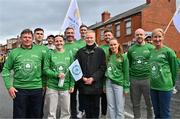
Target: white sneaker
103,116
80,114
174,90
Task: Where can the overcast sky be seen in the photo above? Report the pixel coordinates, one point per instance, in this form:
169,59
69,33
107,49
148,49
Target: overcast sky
16,15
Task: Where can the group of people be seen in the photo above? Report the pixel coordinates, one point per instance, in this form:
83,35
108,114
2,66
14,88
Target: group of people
42,85
2,60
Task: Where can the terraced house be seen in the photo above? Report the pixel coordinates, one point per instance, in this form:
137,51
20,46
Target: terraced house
152,14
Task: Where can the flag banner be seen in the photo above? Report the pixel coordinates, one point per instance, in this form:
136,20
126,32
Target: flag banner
76,70
72,19
176,20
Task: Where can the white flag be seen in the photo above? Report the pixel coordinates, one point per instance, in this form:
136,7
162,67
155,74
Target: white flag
72,19
75,70
176,20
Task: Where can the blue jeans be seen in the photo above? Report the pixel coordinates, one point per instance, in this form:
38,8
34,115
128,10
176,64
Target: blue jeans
115,100
161,103
28,103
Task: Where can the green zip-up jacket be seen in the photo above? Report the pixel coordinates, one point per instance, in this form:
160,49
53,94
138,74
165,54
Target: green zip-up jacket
118,71
27,67
138,56
55,63
163,69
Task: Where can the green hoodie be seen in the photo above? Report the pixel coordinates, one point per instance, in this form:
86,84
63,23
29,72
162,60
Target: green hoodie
27,67
163,69
138,56
55,63
118,71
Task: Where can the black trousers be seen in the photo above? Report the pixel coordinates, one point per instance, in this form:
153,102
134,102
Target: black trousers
28,103
81,102
92,106
103,104
74,104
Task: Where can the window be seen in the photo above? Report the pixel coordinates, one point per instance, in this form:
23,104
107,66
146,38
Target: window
109,27
128,26
117,29
102,33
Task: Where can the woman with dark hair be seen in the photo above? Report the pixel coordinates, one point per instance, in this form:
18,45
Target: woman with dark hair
117,82
59,84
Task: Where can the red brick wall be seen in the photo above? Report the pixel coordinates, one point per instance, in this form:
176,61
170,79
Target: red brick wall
158,15
135,22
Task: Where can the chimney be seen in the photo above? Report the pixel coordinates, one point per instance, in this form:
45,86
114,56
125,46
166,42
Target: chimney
148,1
105,16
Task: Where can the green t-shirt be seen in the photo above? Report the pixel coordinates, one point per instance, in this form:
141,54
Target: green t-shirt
118,71
27,67
138,56
55,63
163,69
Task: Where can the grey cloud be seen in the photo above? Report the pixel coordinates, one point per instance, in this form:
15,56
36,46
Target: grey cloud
16,15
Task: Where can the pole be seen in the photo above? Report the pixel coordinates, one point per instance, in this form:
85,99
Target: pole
171,20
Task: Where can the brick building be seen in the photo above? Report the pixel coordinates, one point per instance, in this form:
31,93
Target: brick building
153,14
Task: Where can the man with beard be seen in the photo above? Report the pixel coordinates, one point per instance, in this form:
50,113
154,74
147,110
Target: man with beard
107,37
138,56
70,43
72,47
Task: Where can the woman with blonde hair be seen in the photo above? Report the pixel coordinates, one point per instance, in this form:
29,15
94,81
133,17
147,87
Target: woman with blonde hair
163,74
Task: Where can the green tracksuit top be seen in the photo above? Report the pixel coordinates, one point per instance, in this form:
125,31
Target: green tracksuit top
55,63
27,67
118,71
163,69
105,47
73,47
80,43
138,56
